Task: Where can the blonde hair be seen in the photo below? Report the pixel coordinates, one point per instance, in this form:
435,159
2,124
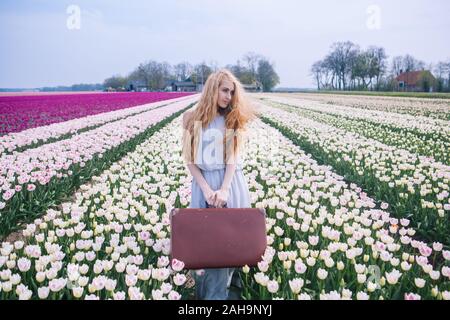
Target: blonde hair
238,114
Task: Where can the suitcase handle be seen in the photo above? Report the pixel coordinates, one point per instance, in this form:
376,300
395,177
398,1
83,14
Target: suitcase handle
211,206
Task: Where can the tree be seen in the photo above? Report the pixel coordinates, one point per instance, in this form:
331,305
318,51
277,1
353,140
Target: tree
343,54
116,82
347,67
183,70
267,75
412,64
361,70
448,74
426,81
331,63
340,61
368,65
397,65
322,75
379,65
442,70
157,75
316,71
252,60
201,73
238,70
153,74
141,74
243,73
406,63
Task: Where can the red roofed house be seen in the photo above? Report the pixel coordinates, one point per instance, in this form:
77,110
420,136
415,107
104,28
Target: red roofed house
415,81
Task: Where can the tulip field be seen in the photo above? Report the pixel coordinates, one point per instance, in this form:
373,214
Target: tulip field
356,195
29,111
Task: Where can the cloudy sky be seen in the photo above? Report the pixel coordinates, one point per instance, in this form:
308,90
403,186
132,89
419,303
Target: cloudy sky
44,44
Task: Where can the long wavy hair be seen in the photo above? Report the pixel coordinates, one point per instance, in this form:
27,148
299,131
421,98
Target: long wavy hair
237,114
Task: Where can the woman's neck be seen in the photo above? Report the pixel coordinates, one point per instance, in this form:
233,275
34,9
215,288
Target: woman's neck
223,111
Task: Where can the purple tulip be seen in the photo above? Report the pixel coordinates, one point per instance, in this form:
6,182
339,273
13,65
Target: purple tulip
18,113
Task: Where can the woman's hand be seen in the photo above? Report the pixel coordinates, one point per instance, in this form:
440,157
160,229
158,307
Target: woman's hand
210,196
221,197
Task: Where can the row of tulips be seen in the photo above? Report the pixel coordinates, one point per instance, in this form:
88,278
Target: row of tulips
18,113
326,239
433,108
397,137
34,137
416,187
37,178
112,240
420,125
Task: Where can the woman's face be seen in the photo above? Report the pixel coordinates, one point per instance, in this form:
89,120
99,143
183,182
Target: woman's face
226,92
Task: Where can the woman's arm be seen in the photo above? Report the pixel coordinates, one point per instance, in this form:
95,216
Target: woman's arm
208,193
195,170
229,172
198,176
224,191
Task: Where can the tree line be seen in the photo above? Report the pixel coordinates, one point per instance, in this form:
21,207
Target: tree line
348,67
253,69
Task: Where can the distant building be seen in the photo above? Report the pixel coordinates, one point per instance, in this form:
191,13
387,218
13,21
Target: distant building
137,85
415,81
255,87
186,86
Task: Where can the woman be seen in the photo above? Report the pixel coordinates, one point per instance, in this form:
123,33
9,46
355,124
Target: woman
213,137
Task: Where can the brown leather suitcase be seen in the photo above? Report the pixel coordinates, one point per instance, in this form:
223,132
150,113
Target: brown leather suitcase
218,237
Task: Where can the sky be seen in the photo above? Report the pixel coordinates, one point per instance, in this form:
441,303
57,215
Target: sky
50,43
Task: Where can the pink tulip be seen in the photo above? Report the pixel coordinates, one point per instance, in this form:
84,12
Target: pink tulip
422,261
446,254
30,111
8,194
412,296
300,267
425,250
177,265
437,246
144,235
446,271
